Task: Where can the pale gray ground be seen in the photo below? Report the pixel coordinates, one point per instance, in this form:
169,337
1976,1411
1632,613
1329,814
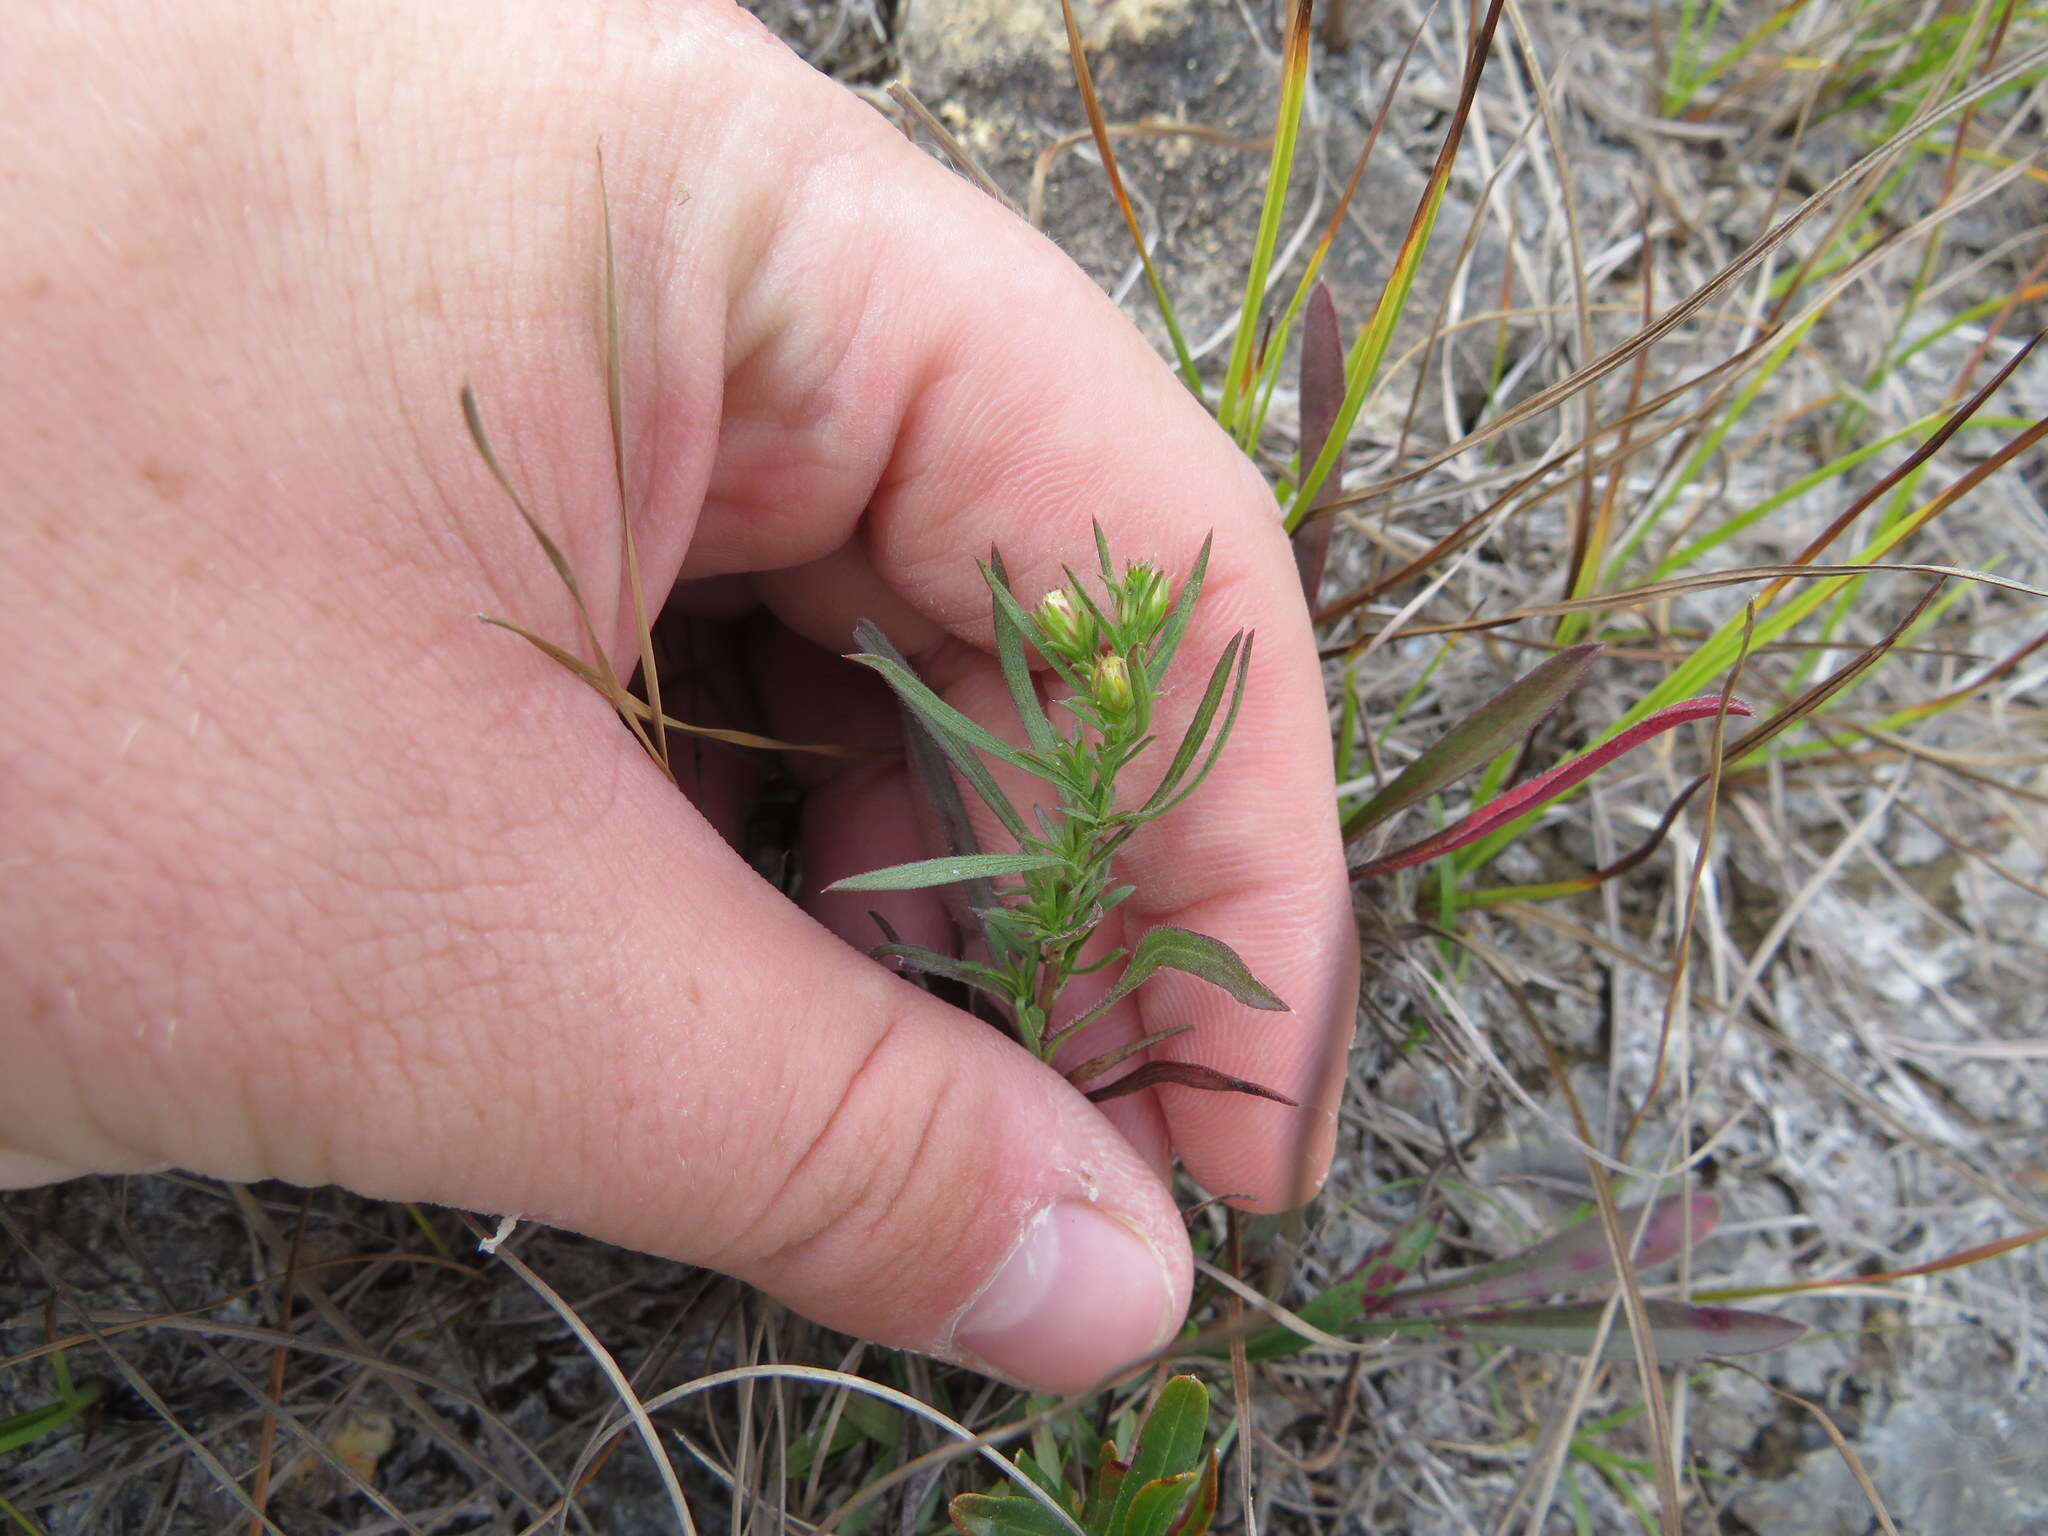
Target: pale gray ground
1863,1056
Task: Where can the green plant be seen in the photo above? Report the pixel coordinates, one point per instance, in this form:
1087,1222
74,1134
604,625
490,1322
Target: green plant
1113,656
1165,1485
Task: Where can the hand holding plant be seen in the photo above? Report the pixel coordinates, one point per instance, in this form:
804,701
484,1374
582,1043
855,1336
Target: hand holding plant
1113,656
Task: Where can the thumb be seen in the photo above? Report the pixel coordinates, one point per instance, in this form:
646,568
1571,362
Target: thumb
593,1014
743,1091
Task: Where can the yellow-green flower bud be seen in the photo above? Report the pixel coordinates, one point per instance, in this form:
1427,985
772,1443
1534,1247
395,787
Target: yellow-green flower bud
1111,684
1068,627
1141,602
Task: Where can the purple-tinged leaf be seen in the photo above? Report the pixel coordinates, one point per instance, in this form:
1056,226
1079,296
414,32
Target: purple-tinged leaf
1500,723
1362,1293
1547,786
1322,395
1682,1331
1095,1066
1572,1260
1180,949
1185,1074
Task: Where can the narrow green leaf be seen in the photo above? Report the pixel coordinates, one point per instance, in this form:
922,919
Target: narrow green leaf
1170,1443
1198,728
1020,616
1221,739
981,1514
942,716
969,974
1495,726
948,869
1181,949
1102,554
958,749
1010,652
1183,609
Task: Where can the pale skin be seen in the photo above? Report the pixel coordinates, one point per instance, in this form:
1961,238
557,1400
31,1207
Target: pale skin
311,876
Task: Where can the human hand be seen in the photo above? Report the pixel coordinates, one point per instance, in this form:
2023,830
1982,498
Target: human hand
313,877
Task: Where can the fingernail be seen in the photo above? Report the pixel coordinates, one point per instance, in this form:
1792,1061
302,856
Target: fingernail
1080,1295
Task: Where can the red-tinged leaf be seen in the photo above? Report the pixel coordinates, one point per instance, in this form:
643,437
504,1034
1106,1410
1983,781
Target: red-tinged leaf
1547,786
1574,1259
1322,396
1158,1504
1184,1074
1500,723
1109,1481
1201,1509
1682,1331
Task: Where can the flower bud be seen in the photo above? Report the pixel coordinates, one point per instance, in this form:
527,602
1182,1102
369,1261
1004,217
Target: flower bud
1068,627
1111,684
1140,602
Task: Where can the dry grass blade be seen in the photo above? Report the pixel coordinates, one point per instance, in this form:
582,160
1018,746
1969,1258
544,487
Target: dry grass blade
1751,256
942,136
1880,1516
615,405
967,1441
1622,1247
636,710
613,690
629,1400
1099,127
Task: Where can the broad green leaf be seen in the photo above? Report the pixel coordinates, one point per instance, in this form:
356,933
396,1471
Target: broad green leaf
1010,637
1181,949
1158,1504
982,1514
948,869
1170,1443
1500,723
